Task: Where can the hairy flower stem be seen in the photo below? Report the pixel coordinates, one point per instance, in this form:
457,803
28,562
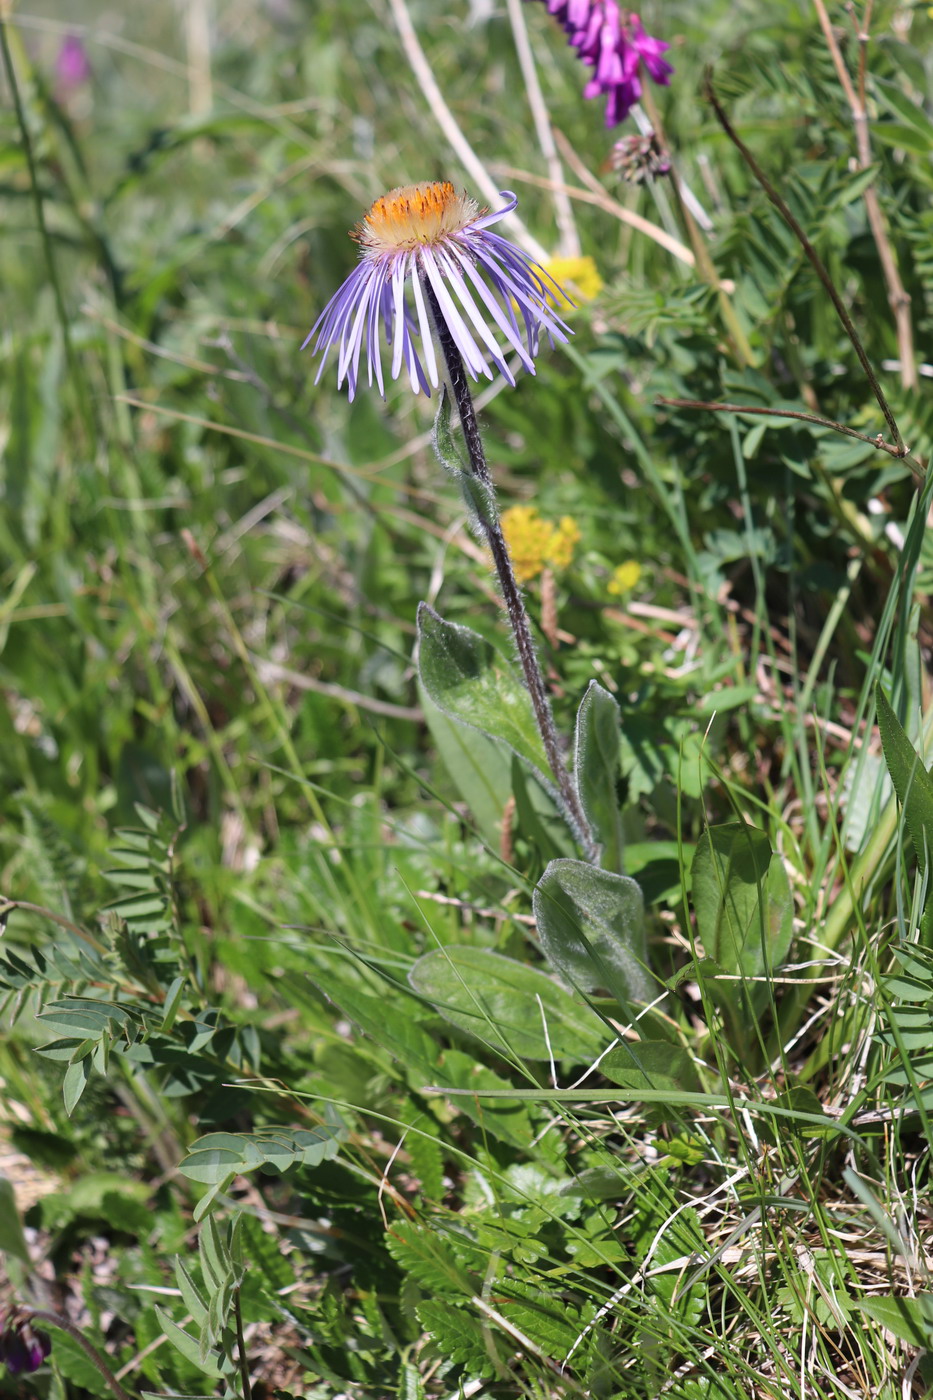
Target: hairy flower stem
518,617
54,1319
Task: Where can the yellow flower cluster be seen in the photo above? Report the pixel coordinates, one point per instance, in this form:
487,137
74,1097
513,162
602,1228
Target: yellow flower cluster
624,577
534,543
582,276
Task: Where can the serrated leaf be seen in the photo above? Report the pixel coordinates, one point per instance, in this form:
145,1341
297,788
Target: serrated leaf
511,1007
592,930
268,1262
596,771
458,1336
431,1259
75,1365
536,1316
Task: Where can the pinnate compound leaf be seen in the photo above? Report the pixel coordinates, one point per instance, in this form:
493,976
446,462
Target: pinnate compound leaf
219,1156
431,1259
596,768
515,1009
457,1334
471,681
743,901
592,929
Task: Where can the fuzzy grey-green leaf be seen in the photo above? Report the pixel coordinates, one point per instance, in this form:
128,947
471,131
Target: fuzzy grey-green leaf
592,929
471,681
596,772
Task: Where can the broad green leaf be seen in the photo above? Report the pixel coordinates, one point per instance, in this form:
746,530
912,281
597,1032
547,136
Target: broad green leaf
478,765
592,928
743,901
596,772
651,1064
511,1007
76,1366
12,1239
538,820
472,682
910,1319
504,1118
393,1024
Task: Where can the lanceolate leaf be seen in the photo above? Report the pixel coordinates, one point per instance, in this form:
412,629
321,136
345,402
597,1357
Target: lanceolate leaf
913,785
596,771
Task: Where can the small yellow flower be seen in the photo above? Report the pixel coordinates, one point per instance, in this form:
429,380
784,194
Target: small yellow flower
562,542
535,543
585,281
624,577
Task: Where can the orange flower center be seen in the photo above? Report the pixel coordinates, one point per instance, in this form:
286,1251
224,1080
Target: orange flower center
414,215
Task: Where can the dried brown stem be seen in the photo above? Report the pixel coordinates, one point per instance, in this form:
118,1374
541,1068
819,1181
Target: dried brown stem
897,296
878,441
816,262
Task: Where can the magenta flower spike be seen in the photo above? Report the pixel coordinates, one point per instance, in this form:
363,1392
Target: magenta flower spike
72,67
612,42
492,297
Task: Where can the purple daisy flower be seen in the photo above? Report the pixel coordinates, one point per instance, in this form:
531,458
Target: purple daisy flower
425,251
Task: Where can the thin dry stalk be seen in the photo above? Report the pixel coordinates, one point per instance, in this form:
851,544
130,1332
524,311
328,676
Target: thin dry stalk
855,96
563,209
451,128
